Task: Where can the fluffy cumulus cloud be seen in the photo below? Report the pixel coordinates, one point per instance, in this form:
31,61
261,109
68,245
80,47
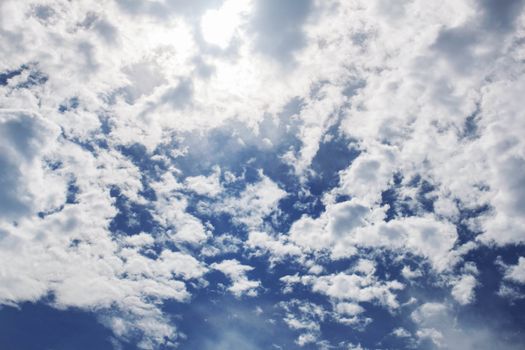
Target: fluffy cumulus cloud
517,272
236,272
263,174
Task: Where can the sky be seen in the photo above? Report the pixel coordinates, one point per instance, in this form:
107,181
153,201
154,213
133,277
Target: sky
262,174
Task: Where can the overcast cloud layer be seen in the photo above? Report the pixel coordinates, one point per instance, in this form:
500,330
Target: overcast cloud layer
262,174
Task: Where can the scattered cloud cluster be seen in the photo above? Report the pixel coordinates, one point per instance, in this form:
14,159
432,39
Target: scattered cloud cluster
342,163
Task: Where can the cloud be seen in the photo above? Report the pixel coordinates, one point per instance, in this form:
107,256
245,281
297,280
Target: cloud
501,15
349,309
277,247
516,272
349,288
437,323
236,272
359,288
278,27
304,317
205,185
26,138
254,203
463,290
345,226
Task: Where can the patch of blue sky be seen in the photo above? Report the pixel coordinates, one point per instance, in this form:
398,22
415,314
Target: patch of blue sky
5,76
404,206
35,77
383,323
215,317
69,105
219,321
390,197
225,148
488,308
377,334
465,231
471,127
222,222
132,218
335,154
139,155
150,168
423,202
237,148
488,261
53,328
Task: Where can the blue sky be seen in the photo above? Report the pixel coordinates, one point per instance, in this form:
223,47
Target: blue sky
262,174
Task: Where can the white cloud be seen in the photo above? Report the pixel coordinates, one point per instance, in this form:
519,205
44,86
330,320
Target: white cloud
170,212
516,272
423,235
430,333
506,161
347,290
236,272
205,185
350,309
357,288
463,289
429,311
140,240
218,26
305,317
343,227
306,338
439,323
253,204
369,174
26,139
408,273
401,333
278,247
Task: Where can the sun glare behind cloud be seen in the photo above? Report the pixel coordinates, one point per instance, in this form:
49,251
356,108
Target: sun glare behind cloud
218,26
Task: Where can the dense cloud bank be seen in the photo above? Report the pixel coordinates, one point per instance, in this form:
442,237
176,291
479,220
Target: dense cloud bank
205,174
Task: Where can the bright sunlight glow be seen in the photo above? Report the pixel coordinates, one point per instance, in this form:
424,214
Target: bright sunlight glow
218,26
